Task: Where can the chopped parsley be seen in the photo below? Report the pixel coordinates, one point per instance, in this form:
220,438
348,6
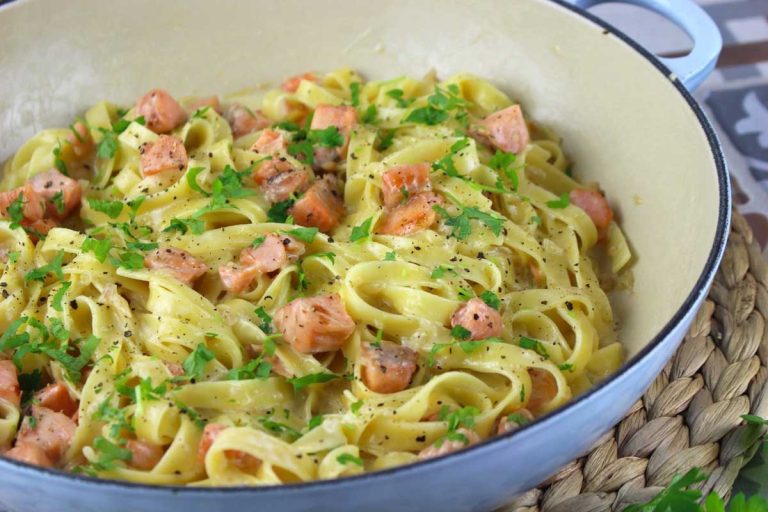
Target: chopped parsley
192,180
330,255
278,212
461,333
107,146
327,137
54,267
502,162
385,139
379,337
390,256
280,428
354,92
440,271
348,458
303,151
456,419
58,162
370,115
58,201
465,293
16,211
397,95
439,104
466,345
362,231
535,345
315,421
266,320
306,235
109,455
254,369
194,364
355,407
258,241
300,383
111,209
460,225
565,367
130,260
200,113
100,248
195,226
13,256
491,299
563,201
518,418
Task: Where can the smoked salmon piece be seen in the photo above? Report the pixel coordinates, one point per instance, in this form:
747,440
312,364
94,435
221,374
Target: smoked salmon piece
389,367
33,206
166,154
321,206
144,455
315,324
9,383
505,130
291,84
270,142
344,118
243,121
178,263
450,445
544,389
56,397
274,253
595,205
480,319
59,191
52,431
506,425
416,214
30,453
80,141
401,182
161,112
279,179
240,459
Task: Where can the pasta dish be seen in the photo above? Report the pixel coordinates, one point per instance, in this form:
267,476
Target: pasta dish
328,278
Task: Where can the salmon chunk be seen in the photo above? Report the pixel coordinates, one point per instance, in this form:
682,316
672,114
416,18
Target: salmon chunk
544,390
270,142
81,143
61,193
240,459
9,383
31,453
506,424
56,397
505,130
344,118
450,445
401,182
279,179
389,367
315,324
291,84
144,455
243,121
166,154
52,431
321,206
161,112
33,206
178,263
274,253
480,319
595,205
209,101
414,215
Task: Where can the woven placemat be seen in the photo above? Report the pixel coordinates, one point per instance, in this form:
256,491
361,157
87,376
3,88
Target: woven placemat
691,414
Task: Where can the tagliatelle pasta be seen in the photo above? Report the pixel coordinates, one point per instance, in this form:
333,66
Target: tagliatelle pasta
311,282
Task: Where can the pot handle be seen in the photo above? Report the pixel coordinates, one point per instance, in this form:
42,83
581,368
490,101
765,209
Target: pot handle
693,68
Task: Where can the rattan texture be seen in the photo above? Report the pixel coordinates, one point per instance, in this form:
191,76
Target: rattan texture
691,414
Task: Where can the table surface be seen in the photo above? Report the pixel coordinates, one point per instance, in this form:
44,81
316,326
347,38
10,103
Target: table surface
735,97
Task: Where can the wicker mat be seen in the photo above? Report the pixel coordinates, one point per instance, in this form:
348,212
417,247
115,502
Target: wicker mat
691,415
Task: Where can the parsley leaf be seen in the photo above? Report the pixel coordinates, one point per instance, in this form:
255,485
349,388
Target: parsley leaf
100,248
192,180
54,267
330,255
300,383
354,92
355,407
200,113
390,256
370,115
428,115
327,137
59,295
254,369
440,272
58,201
130,260
280,428
306,235
460,224
16,211
303,151
109,454
563,201
461,333
502,161
362,231
266,320
278,212
491,299
58,162
196,226
385,139
194,364
397,95
111,209
565,367
107,146
535,345
348,458
315,421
